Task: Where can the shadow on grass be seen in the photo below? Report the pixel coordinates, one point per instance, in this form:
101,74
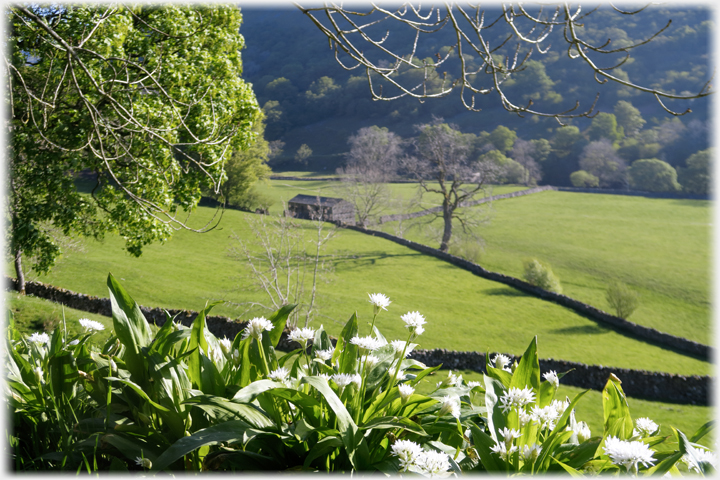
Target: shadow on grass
506,292
581,330
352,261
692,203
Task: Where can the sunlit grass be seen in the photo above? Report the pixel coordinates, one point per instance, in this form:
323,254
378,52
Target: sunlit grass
464,312
660,248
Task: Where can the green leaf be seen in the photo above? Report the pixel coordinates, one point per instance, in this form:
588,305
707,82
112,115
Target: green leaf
321,340
664,465
483,443
496,420
247,412
686,448
577,455
130,326
527,373
278,319
558,436
497,373
323,447
702,431
132,447
195,361
618,421
354,442
248,394
423,374
385,423
309,406
349,354
139,391
232,431
568,469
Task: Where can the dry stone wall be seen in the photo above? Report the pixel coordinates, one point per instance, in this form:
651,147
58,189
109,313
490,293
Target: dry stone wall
694,390
635,193
472,203
638,332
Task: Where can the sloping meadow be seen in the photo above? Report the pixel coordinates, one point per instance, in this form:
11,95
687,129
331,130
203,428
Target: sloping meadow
466,312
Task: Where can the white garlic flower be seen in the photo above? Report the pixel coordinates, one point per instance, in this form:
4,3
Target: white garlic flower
256,327
91,325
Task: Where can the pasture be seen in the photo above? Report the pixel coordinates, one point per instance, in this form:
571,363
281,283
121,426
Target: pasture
660,248
404,195
464,312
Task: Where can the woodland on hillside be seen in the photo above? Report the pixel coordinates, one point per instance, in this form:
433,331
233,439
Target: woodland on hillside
308,99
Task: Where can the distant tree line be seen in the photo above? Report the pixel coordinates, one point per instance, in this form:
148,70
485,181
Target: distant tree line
298,87
615,151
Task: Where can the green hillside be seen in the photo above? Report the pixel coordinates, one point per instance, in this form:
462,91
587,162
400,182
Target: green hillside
661,248
464,312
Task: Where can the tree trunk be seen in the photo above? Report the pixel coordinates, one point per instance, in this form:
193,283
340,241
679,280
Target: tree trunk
447,230
19,272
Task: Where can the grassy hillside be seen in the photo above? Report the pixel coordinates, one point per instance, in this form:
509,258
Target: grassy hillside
661,248
279,191
464,312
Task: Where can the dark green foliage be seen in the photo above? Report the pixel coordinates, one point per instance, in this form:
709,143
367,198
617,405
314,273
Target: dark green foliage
695,178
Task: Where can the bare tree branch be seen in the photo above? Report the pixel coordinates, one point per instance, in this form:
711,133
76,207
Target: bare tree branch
350,32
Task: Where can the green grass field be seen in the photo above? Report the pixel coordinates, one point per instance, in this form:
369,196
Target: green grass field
464,312
279,191
660,248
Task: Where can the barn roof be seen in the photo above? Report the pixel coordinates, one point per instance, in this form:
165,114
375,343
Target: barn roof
313,200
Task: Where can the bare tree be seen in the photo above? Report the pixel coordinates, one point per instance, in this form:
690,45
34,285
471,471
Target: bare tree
371,163
600,159
523,152
284,268
443,166
360,39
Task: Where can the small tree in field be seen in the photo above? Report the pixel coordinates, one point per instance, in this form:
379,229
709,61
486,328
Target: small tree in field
281,264
621,299
541,275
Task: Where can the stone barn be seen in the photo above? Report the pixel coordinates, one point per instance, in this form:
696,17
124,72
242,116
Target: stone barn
332,209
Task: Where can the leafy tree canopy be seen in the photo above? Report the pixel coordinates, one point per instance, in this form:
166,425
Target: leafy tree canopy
147,102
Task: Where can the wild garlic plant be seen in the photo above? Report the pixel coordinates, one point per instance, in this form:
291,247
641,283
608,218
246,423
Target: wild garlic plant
182,399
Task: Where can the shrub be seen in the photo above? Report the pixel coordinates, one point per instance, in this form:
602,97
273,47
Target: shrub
468,248
583,179
541,275
621,299
653,175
